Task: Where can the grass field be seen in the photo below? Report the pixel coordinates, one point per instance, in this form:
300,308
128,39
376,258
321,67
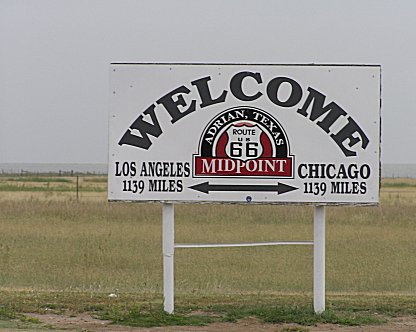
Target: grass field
52,241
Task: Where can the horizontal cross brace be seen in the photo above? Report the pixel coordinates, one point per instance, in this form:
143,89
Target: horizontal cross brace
255,244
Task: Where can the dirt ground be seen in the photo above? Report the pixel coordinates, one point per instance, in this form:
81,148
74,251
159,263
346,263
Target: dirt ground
85,322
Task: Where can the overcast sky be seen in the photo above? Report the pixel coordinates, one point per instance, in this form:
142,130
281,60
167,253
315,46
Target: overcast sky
55,56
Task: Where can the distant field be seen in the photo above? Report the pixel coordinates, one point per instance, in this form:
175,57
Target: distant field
52,241
55,188
64,248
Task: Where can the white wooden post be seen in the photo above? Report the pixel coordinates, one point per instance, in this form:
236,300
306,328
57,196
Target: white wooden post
168,238
319,259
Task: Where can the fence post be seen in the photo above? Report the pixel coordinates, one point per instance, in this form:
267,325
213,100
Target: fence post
77,188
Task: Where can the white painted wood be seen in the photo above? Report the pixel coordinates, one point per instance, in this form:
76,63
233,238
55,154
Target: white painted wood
319,260
168,238
254,244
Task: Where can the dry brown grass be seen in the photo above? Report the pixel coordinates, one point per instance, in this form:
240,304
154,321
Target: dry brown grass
51,241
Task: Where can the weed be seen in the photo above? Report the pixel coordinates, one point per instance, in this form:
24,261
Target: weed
142,310
294,329
7,313
31,320
302,315
139,316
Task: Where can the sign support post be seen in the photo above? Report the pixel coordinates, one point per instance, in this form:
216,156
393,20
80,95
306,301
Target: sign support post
319,259
168,239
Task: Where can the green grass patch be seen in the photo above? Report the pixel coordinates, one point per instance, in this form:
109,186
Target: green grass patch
58,189
7,312
98,179
145,316
39,179
398,185
298,314
10,318
152,316
145,310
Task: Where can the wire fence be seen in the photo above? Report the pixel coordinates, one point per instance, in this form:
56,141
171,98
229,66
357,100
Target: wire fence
61,184
89,182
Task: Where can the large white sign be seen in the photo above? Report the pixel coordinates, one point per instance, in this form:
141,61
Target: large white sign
245,133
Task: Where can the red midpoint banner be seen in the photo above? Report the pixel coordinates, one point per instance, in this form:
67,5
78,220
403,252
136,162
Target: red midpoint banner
274,167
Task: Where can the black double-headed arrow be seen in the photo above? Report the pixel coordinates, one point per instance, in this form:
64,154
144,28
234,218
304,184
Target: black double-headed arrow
279,188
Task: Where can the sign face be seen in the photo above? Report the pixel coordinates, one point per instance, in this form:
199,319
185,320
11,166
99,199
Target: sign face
245,133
